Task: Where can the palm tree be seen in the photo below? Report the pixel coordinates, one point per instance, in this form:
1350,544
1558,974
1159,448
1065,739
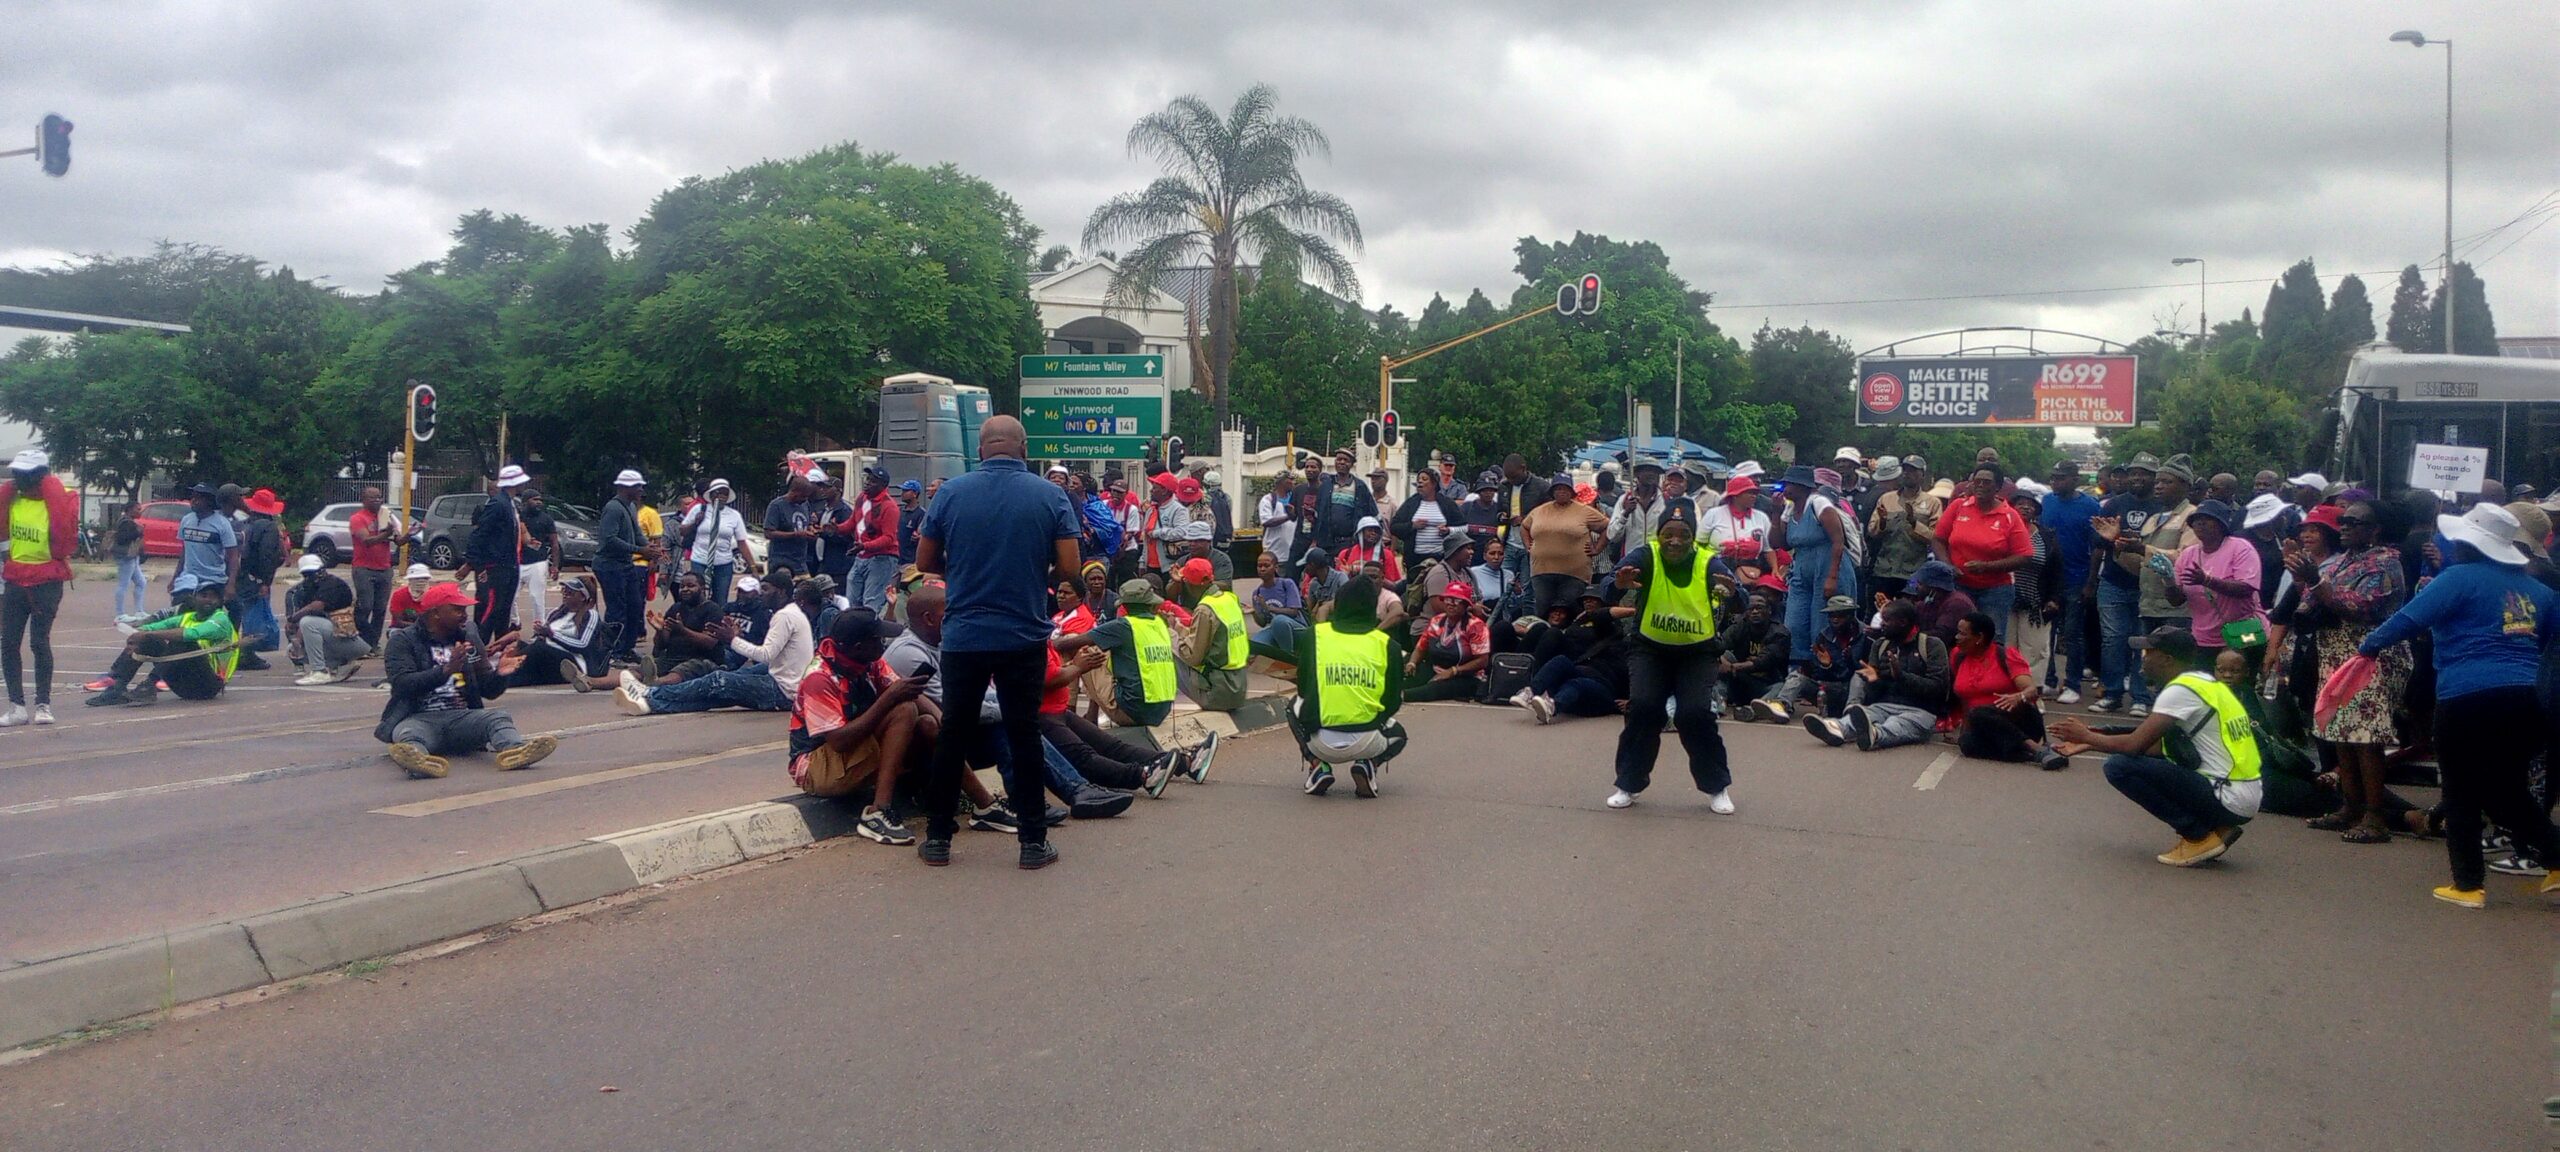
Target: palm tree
1230,189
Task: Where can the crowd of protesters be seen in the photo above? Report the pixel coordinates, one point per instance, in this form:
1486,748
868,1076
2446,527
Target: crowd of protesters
2290,649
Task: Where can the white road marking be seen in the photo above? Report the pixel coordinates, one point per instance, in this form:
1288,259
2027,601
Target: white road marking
1936,771
563,783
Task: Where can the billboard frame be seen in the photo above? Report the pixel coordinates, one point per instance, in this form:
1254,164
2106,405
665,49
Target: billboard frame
1989,343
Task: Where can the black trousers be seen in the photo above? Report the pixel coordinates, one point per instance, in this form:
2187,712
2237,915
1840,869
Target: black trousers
626,606
1017,676
495,611
191,678
1656,675
26,613
1999,734
1099,756
2484,742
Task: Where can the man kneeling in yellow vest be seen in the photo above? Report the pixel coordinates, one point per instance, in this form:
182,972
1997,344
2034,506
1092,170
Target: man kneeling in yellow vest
1350,683
1215,649
2207,787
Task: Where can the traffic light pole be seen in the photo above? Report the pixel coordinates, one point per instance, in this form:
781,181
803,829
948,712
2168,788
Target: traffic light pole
21,152
1388,364
408,480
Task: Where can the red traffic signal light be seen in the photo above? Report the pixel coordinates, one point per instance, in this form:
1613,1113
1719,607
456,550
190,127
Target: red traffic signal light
53,145
422,412
1580,297
1390,428
1590,293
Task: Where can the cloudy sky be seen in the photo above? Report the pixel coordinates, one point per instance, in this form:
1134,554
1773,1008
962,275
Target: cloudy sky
1790,154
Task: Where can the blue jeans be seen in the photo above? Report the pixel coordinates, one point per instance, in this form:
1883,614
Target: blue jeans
716,577
2070,663
1279,639
1804,604
129,577
1996,602
2180,796
753,689
256,620
2119,614
870,580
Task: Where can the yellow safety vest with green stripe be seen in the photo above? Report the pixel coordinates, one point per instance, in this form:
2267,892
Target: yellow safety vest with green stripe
1222,604
1154,650
2237,733
1351,675
1676,614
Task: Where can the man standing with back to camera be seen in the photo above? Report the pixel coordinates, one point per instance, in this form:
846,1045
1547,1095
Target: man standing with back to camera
1000,537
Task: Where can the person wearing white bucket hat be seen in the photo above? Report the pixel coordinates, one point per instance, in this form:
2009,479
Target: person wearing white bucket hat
620,545
2489,618
491,552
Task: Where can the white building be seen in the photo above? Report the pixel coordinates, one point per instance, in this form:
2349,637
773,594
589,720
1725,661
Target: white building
1077,316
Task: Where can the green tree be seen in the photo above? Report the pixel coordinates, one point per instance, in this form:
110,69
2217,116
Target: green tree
166,285
2293,348
2475,331
2413,324
259,345
1303,361
1231,191
1517,390
1808,370
111,407
2226,423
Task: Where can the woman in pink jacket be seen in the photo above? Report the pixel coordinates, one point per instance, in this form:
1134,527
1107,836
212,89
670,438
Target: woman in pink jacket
44,525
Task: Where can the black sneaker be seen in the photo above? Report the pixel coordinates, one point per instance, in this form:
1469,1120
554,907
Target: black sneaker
251,662
996,817
1100,803
142,699
2053,761
1195,765
1827,731
1364,780
879,828
1319,780
1055,816
1860,726
1159,774
1038,856
108,697
934,851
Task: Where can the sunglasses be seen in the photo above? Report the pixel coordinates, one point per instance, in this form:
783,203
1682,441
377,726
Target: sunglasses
2353,521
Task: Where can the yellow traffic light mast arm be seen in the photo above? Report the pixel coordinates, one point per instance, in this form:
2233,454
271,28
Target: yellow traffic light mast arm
1388,364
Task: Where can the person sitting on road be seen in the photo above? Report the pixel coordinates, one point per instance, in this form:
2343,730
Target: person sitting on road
1100,756
192,648
564,648
2207,786
765,683
408,597
322,625
1898,693
1584,672
920,648
1072,617
1996,695
1371,548
854,722
683,634
752,605
1941,603
1350,683
1143,668
441,678
1279,610
1199,542
1217,646
1455,643
1820,684
1756,648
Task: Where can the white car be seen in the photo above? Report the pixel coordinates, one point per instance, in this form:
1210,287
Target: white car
326,535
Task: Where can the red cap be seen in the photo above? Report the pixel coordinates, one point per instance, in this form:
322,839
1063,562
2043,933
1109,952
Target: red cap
1459,590
1163,478
1197,570
1772,582
2327,515
447,593
1740,485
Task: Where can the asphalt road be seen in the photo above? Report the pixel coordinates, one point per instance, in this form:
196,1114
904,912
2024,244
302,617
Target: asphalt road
120,822
1485,957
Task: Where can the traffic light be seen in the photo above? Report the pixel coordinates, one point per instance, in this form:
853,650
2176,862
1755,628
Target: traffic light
422,412
1388,427
1579,297
54,145
1590,293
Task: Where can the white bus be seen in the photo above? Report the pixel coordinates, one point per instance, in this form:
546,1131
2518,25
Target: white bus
2393,401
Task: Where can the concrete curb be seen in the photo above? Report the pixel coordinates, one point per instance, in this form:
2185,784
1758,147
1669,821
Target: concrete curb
47,998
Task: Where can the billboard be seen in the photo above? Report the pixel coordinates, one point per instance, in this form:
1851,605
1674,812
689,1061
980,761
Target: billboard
1968,391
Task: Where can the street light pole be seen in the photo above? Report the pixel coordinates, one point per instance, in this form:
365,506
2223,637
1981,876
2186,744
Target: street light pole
2417,39
2203,329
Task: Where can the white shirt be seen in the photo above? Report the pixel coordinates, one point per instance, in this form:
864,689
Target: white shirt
1430,525
789,645
716,542
1720,526
2204,730
1277,538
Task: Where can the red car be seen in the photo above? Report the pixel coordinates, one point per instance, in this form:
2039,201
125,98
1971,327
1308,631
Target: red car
160,529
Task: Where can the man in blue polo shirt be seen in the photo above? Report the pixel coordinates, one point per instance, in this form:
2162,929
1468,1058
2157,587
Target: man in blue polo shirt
2067,510
1000,538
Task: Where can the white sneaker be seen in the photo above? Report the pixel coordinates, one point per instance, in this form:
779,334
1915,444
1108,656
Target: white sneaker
2068,696
44,715
1720,803
308,679
1522,697
2138,711
1542,710
632,697
16,715
1622,799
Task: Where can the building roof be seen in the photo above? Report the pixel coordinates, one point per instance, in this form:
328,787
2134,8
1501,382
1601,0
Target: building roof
2530,347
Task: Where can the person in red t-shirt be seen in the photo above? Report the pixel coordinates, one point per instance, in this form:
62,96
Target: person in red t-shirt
1984,540
1996,693
1072,618
1101,757
371,530
408,598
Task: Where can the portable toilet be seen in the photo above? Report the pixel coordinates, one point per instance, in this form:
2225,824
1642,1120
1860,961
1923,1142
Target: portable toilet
976,404
920,428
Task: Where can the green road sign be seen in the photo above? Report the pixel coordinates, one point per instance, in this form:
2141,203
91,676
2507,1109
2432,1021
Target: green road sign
1067,367
1092,416
1090,447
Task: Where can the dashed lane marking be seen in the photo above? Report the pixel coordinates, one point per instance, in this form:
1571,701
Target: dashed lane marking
1936,771
564,783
